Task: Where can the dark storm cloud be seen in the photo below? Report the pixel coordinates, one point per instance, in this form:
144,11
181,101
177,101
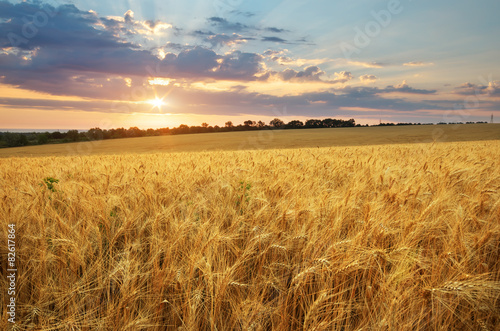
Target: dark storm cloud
77,43
62,27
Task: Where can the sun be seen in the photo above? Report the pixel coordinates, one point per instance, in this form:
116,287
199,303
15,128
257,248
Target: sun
157,103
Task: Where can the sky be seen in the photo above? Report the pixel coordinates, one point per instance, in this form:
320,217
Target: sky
151,63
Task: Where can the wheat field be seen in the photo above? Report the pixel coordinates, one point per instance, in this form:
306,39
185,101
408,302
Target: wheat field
399,237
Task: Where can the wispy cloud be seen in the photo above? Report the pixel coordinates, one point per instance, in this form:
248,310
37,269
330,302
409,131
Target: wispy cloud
275,40
418,64
227,40
225,25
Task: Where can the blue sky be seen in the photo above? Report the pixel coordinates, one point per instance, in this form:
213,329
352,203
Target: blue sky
81,64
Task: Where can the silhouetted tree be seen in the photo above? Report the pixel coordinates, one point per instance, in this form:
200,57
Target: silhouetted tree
294,124
277,123
183,129
313,123
249,123
330,123
134,132
350,122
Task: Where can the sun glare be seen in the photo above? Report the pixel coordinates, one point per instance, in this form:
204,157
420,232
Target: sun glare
157,103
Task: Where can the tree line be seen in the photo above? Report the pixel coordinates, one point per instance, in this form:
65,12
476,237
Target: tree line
10,139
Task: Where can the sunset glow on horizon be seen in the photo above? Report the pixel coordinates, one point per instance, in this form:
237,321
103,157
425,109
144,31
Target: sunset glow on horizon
71,65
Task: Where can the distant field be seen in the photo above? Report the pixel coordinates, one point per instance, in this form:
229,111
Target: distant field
268,139
391,237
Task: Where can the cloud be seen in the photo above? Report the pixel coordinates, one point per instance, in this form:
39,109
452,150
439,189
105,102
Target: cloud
242,13
226,40
343,77
79,53
228,26
69,27
129,17
239,66
282,58
275,30
492,89
404,88
368,78
342,62
365,64
223,102
274,40
309,74
225,25
417,64
71,105
77,43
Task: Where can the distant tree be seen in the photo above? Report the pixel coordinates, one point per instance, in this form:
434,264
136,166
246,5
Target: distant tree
350,122
72,135
163,131
204,125
330,123
183,129
56,135
261,124
118,133
196,129
107,134
15,139
229,124
277,123
294,124
135,132
249,123
314,123
42,138
95,134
